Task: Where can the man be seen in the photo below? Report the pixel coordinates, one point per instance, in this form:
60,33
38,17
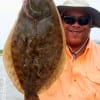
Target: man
80,79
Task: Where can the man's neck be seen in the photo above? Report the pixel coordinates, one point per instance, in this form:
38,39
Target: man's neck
77,51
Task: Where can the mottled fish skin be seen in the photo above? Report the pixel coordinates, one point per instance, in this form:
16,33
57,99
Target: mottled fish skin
36,46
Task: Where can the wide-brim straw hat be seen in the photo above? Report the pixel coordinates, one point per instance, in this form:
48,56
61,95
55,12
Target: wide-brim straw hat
81,4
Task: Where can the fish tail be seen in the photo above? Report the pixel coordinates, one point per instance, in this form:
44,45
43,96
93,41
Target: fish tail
31,97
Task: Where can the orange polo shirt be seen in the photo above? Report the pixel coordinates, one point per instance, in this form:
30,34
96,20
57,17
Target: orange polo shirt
80,79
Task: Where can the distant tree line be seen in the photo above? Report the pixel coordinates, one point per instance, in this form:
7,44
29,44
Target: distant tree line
1,51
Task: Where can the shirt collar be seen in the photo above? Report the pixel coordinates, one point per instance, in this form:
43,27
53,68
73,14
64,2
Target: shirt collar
86,50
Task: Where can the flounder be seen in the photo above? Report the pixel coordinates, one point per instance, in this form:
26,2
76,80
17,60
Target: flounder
34,54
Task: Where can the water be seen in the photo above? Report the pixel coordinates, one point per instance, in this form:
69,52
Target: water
7,89
2,88
2,82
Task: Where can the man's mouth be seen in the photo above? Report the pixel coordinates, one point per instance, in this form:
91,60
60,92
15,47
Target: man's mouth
75,31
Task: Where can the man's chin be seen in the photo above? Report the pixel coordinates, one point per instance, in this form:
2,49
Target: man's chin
73,43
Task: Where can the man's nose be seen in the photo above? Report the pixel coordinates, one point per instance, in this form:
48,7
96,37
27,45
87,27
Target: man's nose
76,24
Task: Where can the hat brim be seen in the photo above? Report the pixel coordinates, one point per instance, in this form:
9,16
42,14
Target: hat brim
95,14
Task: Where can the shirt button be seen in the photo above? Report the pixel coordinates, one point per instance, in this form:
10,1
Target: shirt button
69,95
75,80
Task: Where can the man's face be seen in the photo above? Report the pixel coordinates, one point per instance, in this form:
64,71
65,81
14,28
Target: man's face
76,32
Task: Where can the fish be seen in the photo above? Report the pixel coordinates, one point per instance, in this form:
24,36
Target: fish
34,53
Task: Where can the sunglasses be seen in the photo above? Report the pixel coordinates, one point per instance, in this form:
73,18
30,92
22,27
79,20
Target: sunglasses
82,20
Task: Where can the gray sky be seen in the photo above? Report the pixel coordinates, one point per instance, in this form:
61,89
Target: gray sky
9,10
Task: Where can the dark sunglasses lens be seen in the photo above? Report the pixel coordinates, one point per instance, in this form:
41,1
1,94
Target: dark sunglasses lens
84,20
69,19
